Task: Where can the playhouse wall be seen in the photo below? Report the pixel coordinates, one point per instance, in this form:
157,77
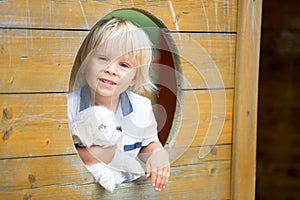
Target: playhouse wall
38,43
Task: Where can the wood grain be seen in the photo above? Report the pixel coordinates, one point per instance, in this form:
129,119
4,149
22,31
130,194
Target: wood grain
30,173
34,125
245,107
215,16
190,155
207,180
203,120
38,43
34,60
38,123
207,60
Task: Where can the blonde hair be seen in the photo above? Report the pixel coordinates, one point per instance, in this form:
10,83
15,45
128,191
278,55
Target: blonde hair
127,38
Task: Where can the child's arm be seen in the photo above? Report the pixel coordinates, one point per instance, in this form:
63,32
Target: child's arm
96,154
157,164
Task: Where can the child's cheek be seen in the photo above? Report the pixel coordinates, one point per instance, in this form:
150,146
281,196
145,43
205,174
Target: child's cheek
91,77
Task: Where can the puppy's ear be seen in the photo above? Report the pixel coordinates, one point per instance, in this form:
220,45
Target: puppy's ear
81,129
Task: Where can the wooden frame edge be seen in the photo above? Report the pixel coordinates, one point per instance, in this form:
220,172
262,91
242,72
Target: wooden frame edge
246,100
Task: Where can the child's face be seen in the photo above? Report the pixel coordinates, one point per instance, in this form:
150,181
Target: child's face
109,73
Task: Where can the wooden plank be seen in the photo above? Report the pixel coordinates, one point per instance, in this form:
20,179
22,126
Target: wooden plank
245,112
190,155
31,173
215,16
35,120
41,61
205,181
206,119
34,125
37,61
207,60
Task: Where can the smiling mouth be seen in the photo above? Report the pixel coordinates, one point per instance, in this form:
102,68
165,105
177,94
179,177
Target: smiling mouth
107,81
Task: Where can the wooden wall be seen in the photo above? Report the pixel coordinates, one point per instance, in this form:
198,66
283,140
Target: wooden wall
38,43
278,153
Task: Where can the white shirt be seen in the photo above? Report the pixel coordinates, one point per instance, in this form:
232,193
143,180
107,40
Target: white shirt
134,113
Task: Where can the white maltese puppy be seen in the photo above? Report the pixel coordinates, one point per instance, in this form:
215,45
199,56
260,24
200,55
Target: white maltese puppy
97,125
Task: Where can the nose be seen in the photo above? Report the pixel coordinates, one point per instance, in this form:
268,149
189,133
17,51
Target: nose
119,128
111,68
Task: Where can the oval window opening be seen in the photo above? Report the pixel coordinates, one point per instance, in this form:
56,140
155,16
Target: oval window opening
163,68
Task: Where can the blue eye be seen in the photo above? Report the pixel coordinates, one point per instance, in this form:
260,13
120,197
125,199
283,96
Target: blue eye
103,58
124,65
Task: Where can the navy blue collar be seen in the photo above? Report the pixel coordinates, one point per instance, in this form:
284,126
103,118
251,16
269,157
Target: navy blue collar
85,101
85,96
125,104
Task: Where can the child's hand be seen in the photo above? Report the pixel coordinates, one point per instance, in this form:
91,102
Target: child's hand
158,168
